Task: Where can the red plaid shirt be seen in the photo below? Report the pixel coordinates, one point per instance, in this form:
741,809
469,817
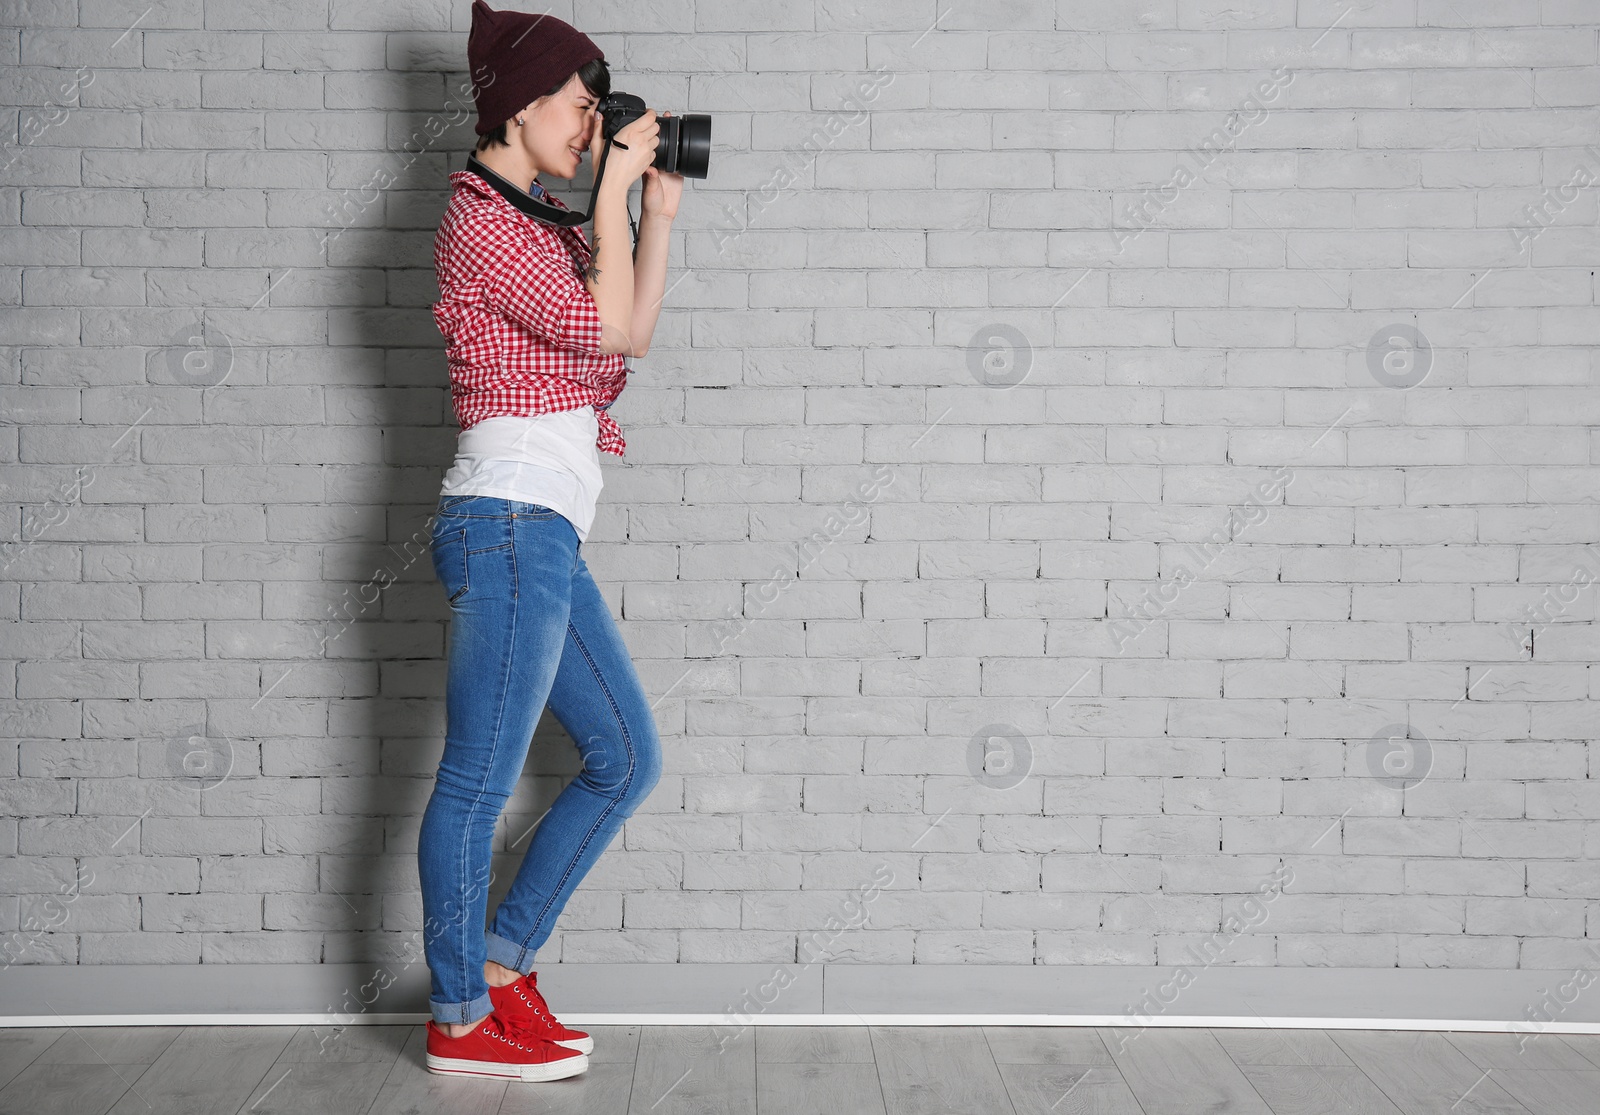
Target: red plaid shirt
522,331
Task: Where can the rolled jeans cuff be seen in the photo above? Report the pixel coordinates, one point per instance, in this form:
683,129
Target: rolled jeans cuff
507,953
462,1013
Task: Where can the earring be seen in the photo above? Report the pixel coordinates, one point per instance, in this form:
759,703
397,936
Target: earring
519,121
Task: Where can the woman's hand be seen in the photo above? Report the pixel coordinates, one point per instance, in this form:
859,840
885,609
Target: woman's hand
640,137
661,192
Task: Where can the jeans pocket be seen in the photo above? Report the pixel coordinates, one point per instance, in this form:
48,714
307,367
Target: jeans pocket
450,562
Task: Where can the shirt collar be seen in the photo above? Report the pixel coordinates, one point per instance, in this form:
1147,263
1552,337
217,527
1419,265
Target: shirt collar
520,199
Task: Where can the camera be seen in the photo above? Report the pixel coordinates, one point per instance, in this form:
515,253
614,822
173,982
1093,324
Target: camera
684,145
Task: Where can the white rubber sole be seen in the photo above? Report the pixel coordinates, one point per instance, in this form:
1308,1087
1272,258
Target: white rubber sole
497,1070
582,1045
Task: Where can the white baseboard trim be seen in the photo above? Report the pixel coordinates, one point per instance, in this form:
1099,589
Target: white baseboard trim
733,996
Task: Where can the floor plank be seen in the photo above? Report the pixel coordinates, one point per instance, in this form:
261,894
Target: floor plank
813,1045
613,1044
1046,1045
21,1046
602,1090
1536,1052
317,1088
682,1070
348,1044
410,1088
1182,1071
1318,1090
1068,1090
1553,1093
206,1070
1423,1074
828,1089
938,1070
111,1045
67,1089
1586,1044
86,1069
1280,1047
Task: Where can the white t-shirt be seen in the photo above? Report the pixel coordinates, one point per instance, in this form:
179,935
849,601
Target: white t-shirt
548,459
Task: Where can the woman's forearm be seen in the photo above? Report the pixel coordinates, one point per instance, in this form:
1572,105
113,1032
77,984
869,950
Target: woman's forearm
649,278
610,274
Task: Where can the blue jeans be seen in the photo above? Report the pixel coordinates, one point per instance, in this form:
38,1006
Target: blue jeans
528,626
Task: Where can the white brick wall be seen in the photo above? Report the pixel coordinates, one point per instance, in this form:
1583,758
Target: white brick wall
1002,406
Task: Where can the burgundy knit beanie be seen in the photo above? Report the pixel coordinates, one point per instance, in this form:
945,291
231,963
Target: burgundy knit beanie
516,58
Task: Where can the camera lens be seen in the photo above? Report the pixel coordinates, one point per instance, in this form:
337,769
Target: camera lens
684,146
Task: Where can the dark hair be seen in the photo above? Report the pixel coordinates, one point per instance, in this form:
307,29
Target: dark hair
596,77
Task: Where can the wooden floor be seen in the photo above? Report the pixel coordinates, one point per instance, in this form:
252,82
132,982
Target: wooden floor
888,1070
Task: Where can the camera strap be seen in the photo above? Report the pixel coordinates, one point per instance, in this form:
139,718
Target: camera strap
537,207
540,209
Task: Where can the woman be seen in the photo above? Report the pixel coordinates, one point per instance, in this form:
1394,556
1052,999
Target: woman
538,324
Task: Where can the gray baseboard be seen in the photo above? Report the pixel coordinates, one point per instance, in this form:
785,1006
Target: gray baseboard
739,995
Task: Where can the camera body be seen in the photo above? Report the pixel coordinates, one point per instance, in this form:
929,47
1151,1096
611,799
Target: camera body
684,144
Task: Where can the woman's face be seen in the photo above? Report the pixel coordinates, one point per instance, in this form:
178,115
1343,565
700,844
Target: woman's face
558,129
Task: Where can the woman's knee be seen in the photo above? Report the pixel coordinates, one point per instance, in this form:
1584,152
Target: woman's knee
626,772
466,792
647,768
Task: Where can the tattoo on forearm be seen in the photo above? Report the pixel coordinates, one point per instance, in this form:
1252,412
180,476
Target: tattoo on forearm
593,273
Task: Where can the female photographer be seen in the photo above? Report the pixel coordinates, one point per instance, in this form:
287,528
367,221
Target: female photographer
537,324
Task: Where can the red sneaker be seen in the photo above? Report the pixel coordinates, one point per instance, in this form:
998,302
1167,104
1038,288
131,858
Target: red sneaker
520,1002
500,1049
